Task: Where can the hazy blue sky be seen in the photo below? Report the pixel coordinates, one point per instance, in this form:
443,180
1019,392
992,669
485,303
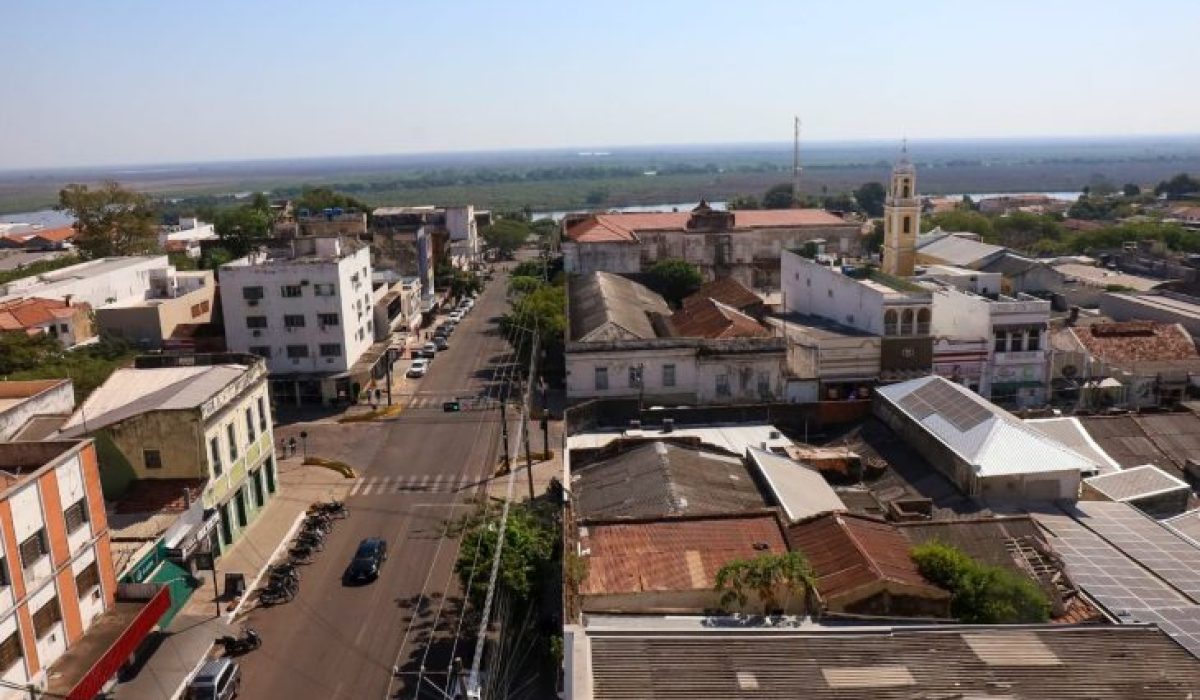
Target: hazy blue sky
118,81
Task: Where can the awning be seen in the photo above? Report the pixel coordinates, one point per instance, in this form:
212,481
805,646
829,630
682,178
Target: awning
82,672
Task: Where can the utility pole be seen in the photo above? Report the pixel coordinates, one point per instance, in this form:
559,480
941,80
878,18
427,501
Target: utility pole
528,456
545,422
796,163
391,358
504,429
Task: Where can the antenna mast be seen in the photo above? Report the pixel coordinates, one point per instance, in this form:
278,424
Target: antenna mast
796,163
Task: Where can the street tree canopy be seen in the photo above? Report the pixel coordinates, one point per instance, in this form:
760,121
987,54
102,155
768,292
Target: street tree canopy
242,228
674,279
110,220
870,196
506,236
779,197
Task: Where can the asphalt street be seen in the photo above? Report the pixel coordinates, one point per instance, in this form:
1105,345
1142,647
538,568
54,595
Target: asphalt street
419,471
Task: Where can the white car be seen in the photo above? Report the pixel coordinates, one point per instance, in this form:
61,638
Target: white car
418,368
456,316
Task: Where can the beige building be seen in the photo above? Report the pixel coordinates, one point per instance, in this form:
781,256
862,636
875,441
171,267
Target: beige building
174,298
901,220
199,417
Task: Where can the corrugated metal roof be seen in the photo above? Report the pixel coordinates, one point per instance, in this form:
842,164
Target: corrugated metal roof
1136,482
1070,432
956,250
801,491
1063,663
996,443
604,298
129,392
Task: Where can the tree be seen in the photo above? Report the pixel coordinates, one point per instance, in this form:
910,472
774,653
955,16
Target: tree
1178,186
674,279
960,220
983,594
111,220
316,199
241,229
779,197
742,201
874,241
840,202
1129,189
506,236
541,309
870,196
765,575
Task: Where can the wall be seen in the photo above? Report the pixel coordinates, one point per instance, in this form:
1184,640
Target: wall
1127,307
351,302
809,288
581,365
745,375
148,324
48,397
586,258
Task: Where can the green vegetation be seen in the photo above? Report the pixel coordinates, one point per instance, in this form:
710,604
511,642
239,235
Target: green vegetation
110,220
1182,185
507,235
983,594
41,357
242,228
316,199
870,197
527,558
37,268
674,279
779,196
765,575
959,220
542,307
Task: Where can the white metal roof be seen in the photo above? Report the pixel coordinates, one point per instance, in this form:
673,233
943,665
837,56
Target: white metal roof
992,439
1070,432
957,250
129,392
1137,482
734,438
801,491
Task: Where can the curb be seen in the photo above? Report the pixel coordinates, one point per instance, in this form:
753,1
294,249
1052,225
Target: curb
287,538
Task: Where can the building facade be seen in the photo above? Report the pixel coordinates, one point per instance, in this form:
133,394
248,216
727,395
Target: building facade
307,310
191,417
54,557
901,220
174,298
96,282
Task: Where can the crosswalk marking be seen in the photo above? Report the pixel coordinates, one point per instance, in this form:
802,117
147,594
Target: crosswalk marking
429,483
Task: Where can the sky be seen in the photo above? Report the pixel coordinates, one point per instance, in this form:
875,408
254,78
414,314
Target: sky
146,81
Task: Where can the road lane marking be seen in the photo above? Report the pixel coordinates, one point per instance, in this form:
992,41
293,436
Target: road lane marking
356,488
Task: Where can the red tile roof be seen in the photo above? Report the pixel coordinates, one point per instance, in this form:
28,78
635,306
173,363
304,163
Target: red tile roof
677,554
706,318
55,235
623,227
851,552
728,291
22,314
1137,341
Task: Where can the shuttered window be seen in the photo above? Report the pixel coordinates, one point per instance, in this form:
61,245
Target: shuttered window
76,515
10,652
45,618
33,549
87,579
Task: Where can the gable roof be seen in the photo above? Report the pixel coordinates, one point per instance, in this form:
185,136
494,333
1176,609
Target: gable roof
1137,341
800,490
851,552
623,227
957,250
979,432
1070,432
677,554
1136,483
21,314
726,290
708,318
603,298
129,392
661,478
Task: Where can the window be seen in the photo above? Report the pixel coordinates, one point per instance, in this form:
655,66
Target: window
87,579
668,375
890,322
297,351
635,376
722,385
907,194
197,310
215,448
76,514
262,415
250,424
10,651
64,328
324,290
1018,341
252,293
908,224
370,326
231,433
256,321
327,320
4,579
331,349
152,459
261,350
291,291
45,618
293,321
33,548
906,322
1001,341
205,306
601,378
1033,342
923,316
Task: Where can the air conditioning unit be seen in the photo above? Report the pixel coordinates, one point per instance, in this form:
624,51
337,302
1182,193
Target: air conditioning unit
257,334
252,302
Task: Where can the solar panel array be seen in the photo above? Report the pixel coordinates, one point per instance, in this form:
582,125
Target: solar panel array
1108,576
942,398
1143,539
1182,624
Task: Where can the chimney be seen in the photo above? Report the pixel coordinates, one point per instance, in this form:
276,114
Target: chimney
67,299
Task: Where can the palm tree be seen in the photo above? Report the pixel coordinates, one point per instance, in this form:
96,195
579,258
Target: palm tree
764,575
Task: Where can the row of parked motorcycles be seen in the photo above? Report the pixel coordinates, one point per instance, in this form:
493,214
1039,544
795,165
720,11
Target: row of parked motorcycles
283,581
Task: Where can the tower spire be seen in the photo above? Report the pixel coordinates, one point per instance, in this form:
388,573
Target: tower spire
796,162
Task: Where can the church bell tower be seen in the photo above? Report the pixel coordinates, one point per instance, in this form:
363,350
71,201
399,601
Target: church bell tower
901,219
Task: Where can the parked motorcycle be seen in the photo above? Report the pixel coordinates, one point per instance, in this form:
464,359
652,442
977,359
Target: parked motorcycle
332,509
248,641
301,554
316,542
273,597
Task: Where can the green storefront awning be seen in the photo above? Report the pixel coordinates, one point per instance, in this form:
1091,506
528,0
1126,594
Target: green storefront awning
181,584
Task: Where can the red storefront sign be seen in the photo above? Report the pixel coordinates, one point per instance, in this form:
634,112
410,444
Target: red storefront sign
107,665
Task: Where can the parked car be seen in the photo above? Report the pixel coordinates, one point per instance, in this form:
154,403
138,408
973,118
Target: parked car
428,350
418,368
456,316
218,679
441,342
369,557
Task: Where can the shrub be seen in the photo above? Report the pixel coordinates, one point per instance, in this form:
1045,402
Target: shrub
983,594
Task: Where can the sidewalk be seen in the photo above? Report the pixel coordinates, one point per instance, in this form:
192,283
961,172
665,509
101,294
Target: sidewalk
190,637
543,470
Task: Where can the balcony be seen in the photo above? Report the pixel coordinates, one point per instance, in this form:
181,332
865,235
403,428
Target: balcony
1022,357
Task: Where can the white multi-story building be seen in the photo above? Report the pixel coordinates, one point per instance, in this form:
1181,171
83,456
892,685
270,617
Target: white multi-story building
1015,331
186,236
308,311
96,282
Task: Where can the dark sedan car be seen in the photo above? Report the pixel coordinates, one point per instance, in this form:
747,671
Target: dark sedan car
371,554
